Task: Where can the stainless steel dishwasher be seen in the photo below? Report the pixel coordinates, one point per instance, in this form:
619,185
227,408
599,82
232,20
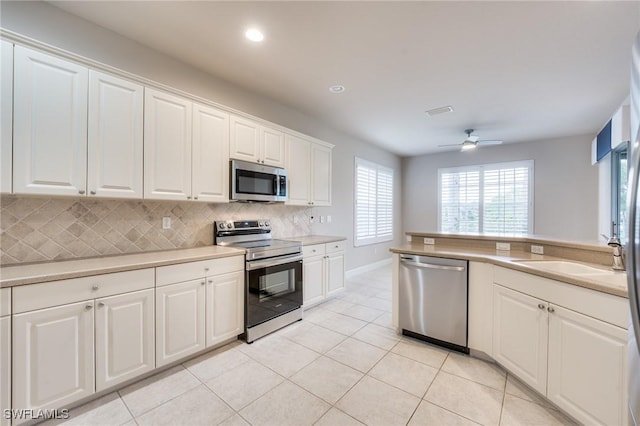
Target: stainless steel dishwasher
433,300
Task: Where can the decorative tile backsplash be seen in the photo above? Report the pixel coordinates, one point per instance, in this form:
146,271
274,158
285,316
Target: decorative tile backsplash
34,229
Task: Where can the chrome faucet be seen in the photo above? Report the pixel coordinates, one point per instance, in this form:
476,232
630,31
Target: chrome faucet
618,251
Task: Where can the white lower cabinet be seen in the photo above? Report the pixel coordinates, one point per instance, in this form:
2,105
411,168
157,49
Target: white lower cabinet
323,272
5,368
224,307
124,337
520,335
587,367
53,355
578,361
179,320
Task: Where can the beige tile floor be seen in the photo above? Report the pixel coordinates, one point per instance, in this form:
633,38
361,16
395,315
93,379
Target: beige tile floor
342,365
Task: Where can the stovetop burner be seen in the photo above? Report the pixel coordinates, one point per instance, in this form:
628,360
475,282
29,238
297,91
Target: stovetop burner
255,237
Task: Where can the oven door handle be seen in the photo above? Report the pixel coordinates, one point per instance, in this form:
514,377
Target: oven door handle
256,264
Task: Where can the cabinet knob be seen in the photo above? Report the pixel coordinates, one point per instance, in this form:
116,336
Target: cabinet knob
88,307
101,304
540,305
336,246
210,281
188,197
95,287
551,310
195,198
313,251
206,269
92,192
81,192
202,283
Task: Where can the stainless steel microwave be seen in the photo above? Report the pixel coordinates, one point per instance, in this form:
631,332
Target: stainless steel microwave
257,182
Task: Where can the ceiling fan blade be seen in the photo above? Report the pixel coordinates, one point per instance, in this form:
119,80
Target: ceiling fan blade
451,144
490,142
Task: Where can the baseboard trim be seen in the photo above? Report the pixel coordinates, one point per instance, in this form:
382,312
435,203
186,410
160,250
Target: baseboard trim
369,267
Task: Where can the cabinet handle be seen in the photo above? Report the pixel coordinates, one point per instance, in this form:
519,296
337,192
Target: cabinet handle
313,251
335,246
541,306
81,192
195,198
88,307
202,283
101,304
206,269
92,192
210,281
188,197
95,287
551,310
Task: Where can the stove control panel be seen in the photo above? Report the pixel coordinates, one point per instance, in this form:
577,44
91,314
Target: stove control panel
242,225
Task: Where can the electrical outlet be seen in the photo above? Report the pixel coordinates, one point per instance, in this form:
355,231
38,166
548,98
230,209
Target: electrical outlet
429,241
166,222
311,219
503,246
295,220
321,219
328,218
408,238
537,249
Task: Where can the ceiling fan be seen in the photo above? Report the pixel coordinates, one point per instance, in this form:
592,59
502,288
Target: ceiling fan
471,142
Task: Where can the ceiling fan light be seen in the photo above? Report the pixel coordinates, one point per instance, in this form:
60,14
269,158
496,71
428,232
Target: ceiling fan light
468,145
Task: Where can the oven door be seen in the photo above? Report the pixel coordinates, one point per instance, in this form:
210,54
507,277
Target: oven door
274,287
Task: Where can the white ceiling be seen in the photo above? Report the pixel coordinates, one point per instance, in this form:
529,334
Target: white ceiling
517,71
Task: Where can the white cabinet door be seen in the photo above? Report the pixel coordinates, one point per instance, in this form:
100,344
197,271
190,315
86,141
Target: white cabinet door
5,368
210,173
167,146
520,335
125,345
272,144
6,116
50,125
587,367
321,175
335,272
313,280
298,167
53,356
180,318
114,166
245,139
225,307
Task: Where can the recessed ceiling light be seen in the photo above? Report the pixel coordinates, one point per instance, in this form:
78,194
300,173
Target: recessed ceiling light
254,34
437,111
336,88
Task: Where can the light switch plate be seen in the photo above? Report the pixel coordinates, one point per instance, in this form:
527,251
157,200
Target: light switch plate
328,218
503,246
166,222
537,249
429,241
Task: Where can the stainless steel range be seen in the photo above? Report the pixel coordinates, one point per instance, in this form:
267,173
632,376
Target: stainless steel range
273,280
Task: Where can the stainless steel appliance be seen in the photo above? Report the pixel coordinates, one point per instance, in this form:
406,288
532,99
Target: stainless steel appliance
273,275
633,248
433,300
257,182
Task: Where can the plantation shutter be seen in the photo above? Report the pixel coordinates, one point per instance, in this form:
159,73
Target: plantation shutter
374,203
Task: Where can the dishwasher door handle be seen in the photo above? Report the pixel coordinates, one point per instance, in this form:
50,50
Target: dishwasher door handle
431,266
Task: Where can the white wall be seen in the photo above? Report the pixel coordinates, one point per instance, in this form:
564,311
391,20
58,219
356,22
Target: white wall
565,185
45,23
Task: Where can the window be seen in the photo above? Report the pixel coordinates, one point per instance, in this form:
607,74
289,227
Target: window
491,198
619,191
374,203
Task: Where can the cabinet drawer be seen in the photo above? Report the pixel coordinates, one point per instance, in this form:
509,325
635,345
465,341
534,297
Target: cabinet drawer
335,247
314,250
5,301
193,270
39,296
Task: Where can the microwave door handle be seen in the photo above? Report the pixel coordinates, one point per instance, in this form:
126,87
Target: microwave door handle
276,180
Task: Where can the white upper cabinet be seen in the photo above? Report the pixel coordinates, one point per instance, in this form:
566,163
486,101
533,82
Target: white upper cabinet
321,175
115,137
253,142
210,165
50,124
167,146
6,112
309,172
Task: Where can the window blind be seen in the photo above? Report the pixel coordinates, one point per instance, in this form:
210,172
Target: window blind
492,198
374,203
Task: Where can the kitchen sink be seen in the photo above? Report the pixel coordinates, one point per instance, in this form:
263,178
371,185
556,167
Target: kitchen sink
607,276
564,267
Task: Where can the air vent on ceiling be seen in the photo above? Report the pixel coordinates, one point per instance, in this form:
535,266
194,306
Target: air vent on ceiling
438,111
